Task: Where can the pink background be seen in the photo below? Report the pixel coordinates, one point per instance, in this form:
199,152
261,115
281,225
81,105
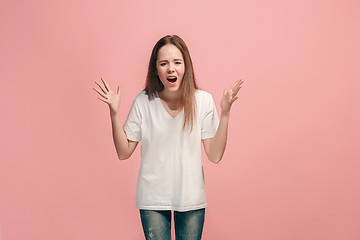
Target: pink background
291,168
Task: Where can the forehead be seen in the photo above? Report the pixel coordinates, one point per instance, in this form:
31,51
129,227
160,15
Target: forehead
169,51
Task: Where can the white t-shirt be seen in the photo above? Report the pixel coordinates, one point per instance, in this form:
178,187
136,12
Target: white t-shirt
171,175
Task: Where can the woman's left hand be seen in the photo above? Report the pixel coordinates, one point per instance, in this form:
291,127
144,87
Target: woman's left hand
230,96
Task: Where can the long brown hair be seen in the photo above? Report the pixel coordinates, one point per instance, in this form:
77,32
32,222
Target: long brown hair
188,84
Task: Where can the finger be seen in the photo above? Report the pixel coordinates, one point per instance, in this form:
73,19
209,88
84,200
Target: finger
101,94
237,87
106,85
104,100
234,99
236,90
237,84
225,92
101,88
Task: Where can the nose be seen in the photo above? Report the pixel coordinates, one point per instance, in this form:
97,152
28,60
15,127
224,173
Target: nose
171,67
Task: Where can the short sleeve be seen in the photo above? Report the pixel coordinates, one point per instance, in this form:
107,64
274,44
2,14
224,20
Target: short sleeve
132,125
210,121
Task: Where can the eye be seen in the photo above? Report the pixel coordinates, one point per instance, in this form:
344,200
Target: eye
178,62
162,64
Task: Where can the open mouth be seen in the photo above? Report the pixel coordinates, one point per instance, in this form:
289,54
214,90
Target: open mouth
172,79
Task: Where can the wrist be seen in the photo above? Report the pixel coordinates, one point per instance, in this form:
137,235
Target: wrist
225,113
113,113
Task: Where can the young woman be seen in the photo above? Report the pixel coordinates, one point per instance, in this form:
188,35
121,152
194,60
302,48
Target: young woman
171,118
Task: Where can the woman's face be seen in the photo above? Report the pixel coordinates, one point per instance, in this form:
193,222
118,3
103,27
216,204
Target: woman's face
170,67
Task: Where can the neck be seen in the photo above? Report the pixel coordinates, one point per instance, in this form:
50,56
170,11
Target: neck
169,96
172,100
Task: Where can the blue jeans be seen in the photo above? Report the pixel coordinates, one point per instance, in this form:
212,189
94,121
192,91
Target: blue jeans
157,224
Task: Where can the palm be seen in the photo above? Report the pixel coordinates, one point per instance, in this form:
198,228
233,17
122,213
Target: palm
108,96
229,96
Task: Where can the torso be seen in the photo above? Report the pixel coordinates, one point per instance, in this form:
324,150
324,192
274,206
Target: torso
170,175
172,109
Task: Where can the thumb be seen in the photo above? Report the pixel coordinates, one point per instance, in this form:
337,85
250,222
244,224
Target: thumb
118,89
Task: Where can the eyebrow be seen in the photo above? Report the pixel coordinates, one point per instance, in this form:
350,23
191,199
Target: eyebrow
167,60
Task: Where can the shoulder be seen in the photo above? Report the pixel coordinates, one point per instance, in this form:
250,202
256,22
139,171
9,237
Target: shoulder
141,98
202,96
204,101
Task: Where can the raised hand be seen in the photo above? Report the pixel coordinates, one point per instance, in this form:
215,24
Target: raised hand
230,96
109,97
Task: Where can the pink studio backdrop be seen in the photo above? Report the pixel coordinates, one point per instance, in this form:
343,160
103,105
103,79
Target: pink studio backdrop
291,167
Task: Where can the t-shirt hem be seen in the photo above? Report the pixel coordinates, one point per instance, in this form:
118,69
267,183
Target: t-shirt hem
179,209
206,136
132,137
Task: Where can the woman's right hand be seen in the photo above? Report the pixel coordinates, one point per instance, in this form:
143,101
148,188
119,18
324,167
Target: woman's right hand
109,97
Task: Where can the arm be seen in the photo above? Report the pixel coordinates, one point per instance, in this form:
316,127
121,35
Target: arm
215,147
124,147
